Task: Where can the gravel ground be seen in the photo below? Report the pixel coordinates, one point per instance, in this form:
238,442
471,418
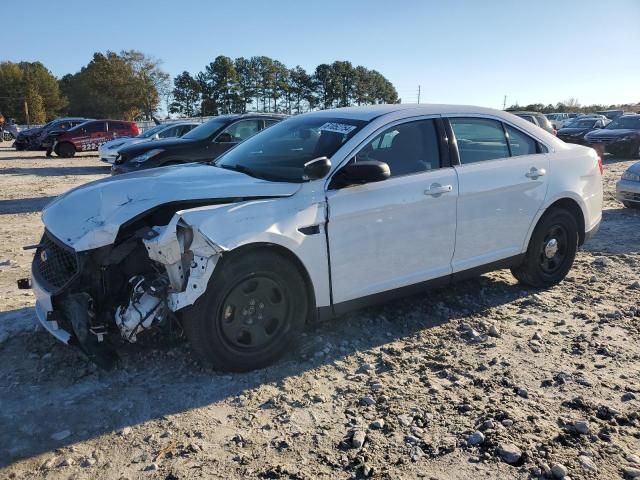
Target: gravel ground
484,379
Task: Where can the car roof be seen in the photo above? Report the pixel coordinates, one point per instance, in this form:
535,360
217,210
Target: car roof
524,112
370,112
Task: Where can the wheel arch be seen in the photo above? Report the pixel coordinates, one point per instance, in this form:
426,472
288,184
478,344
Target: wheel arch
66,142
286,254
566,202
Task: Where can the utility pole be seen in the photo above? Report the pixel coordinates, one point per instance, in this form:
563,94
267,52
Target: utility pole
504,103
418,93
26,113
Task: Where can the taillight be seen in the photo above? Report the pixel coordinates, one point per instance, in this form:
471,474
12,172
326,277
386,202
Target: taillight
135,130
600,166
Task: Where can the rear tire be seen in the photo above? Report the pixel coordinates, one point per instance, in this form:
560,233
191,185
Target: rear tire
253,310
65,150
551,251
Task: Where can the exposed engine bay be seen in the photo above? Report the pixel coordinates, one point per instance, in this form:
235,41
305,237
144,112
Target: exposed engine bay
129,287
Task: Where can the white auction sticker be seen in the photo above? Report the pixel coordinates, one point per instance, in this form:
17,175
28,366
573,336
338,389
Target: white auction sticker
337,127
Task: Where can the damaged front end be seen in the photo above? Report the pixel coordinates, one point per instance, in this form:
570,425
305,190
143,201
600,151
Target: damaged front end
135,284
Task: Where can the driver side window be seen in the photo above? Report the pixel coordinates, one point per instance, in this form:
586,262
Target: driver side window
407,148
168,133
240,131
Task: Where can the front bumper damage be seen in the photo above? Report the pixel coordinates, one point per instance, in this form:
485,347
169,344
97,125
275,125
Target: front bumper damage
126,288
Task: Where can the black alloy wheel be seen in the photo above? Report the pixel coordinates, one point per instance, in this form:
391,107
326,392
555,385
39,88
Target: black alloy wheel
254,313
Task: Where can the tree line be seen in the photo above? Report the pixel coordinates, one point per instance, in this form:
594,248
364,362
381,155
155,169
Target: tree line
266,85
572,105
133,86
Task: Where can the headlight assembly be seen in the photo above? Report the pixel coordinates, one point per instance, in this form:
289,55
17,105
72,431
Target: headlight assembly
632,177
147,155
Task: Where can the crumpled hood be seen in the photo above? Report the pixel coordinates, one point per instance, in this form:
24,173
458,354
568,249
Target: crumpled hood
30,131
90,216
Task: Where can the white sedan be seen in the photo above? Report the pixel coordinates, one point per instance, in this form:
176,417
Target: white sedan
320,214
109,151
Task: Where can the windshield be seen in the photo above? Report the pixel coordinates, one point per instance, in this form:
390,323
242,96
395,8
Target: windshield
631,122
152,131
280,152
207,129
551,116
582,124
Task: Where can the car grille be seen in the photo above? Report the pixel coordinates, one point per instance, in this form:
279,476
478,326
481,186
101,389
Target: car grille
54,264
633,197
601,139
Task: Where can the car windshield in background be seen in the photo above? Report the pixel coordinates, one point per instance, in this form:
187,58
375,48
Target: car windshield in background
630,122
582,124
152,131
207,129
280,152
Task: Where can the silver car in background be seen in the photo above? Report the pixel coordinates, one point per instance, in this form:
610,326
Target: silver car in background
109,151
628,187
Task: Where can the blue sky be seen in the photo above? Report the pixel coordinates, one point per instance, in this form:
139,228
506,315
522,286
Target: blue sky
459,51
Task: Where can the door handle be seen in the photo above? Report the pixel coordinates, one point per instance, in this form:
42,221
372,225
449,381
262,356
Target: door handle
534,173
435,190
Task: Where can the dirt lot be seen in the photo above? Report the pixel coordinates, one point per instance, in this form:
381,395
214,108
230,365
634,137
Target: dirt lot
453,384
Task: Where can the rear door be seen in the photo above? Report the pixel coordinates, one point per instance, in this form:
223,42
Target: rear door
91,136
503,178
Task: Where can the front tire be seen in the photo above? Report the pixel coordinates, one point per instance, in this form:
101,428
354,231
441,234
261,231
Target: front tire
551,251
65,150
253,310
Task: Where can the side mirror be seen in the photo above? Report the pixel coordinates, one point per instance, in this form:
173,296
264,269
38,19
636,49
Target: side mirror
224,137
316,168
367,171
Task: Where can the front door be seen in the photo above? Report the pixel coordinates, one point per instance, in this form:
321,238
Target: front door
503,177
400,231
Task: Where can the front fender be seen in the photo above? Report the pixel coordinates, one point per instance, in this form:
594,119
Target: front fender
276,221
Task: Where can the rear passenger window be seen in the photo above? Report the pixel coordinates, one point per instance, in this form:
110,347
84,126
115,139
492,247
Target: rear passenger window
520,143
479,139
407,148
117,126
94,127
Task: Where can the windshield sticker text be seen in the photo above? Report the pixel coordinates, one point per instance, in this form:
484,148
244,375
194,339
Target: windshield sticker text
337,128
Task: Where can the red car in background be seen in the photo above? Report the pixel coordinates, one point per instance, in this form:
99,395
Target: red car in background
88,136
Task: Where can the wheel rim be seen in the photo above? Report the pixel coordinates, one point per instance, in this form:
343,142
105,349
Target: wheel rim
254,313
553,251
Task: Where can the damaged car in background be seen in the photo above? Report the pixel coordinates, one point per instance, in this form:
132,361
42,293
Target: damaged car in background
320,214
